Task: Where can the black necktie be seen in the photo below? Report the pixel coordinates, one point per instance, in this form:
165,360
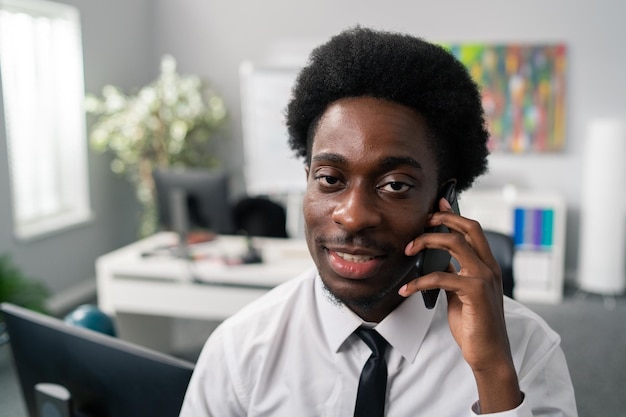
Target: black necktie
370,398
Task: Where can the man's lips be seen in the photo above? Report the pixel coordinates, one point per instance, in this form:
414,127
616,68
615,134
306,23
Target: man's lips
354,258
354,264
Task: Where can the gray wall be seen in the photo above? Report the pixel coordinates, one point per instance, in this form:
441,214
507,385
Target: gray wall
118,48
123,40
213,37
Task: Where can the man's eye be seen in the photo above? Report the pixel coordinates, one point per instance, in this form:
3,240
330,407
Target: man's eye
327,180
395,187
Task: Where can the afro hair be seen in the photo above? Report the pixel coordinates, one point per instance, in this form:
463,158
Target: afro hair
403,69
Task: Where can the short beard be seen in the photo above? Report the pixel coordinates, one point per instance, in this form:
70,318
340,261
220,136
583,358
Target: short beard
363,304
367,303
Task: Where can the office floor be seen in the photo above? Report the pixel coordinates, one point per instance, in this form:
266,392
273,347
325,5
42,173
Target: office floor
11,404
593,339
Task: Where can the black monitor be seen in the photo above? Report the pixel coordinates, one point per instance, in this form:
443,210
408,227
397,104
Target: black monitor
193,199
105,376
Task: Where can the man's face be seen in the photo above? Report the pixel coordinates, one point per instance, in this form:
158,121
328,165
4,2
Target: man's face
370,187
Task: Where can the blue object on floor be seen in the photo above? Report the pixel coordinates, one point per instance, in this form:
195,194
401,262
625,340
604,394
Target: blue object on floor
91,317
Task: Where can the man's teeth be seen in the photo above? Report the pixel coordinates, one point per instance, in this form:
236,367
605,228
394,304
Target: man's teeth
354,258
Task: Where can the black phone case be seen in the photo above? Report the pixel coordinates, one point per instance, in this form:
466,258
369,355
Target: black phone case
431,260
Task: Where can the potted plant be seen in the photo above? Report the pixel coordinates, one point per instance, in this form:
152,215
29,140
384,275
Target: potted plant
16,288
169,123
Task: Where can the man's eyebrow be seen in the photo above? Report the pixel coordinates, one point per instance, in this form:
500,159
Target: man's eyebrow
396,161
387,163
329,157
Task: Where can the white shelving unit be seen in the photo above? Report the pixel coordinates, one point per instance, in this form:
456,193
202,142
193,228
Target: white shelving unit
537,224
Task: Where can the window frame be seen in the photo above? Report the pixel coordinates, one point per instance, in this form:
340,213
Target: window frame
66,180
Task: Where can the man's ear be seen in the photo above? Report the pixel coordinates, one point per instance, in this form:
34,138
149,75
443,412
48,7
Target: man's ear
444,187
306,171
444,191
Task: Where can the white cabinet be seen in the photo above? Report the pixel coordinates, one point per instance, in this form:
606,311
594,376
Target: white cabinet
537,224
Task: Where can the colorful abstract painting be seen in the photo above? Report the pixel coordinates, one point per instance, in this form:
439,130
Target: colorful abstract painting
523,91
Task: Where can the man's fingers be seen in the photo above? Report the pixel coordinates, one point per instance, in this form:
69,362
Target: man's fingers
465,242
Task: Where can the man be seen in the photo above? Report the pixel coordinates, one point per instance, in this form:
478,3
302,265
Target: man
386,123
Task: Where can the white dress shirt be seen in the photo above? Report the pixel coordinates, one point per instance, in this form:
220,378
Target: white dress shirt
293,352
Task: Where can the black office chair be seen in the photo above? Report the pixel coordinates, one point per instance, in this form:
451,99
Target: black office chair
260,216
503,249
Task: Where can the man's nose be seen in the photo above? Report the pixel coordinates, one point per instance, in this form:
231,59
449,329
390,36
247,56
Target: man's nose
356,209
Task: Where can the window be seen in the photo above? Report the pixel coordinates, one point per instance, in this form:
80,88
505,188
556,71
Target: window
41,70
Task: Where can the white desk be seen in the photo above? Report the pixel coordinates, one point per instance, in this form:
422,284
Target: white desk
144,287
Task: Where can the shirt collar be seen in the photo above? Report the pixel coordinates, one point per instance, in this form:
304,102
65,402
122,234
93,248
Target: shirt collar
404,328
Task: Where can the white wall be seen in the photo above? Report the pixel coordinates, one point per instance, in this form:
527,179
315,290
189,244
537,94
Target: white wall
213,37
117,44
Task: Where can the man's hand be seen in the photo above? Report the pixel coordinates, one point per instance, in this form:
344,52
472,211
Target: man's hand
475,305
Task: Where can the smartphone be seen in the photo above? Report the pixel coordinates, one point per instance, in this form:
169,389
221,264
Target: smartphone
431,260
